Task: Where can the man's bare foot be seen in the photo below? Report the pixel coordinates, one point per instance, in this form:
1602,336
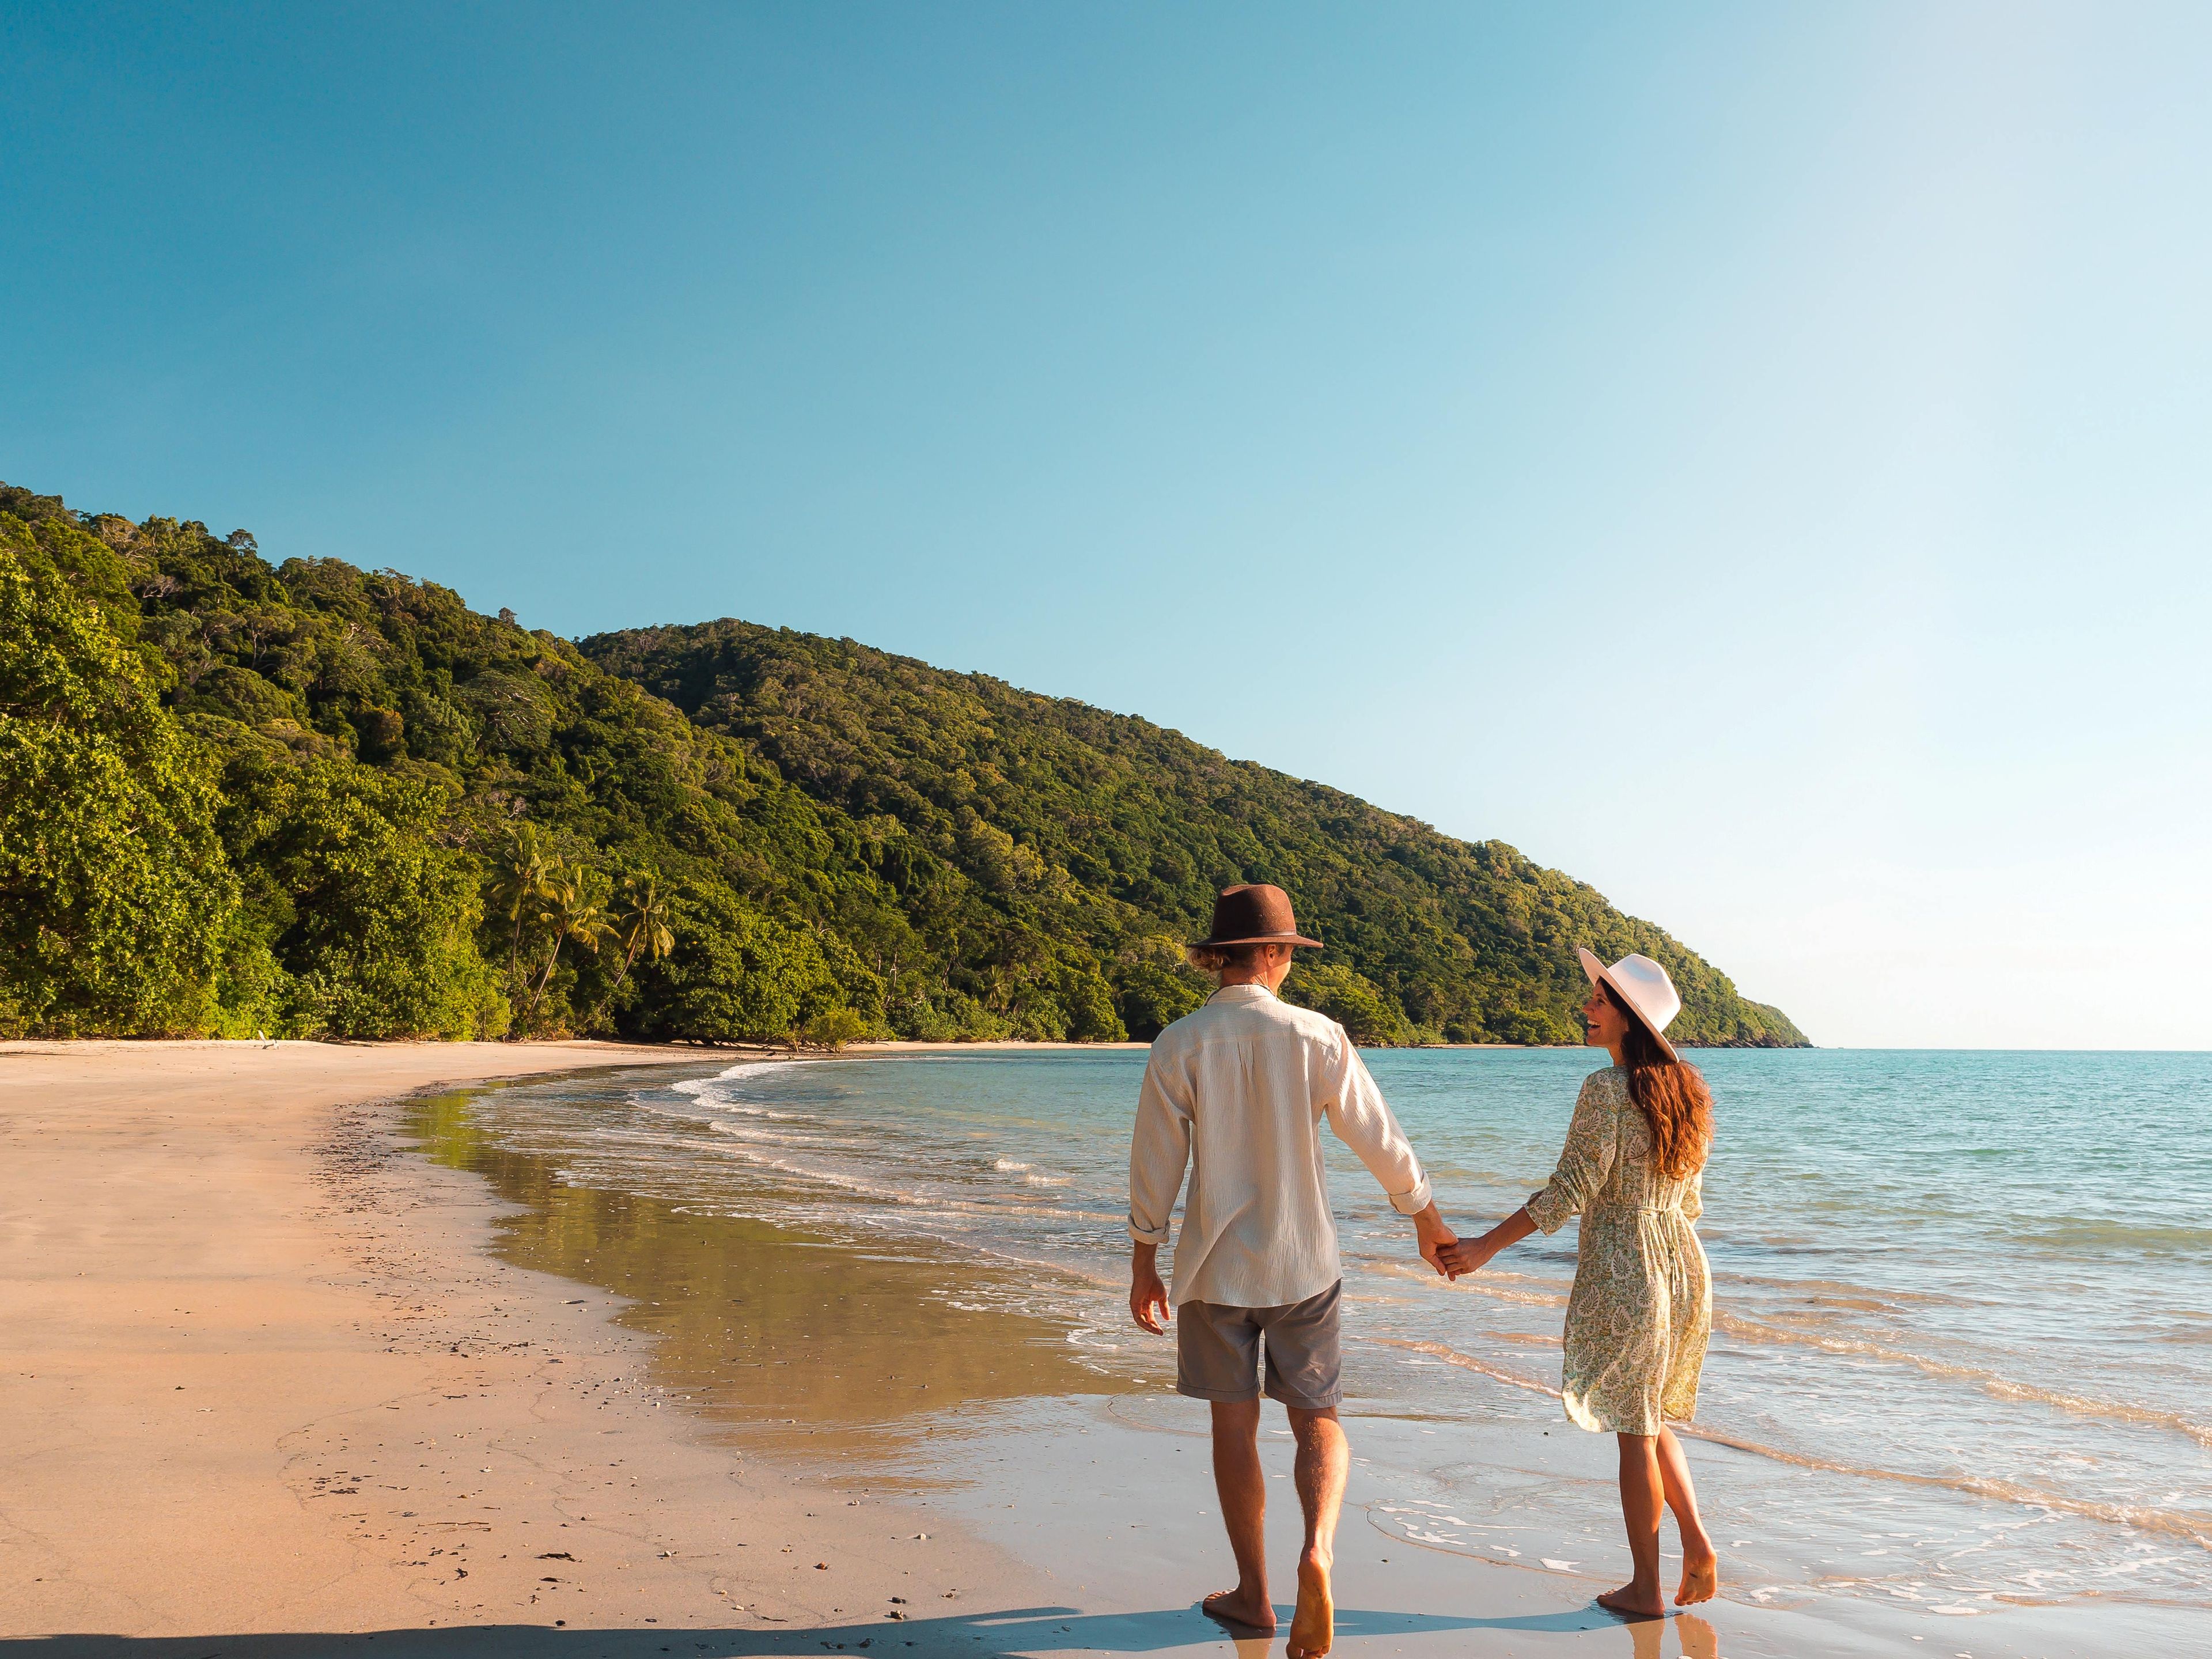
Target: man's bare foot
1632,1603
1701,1578
1313,1627
1240,1607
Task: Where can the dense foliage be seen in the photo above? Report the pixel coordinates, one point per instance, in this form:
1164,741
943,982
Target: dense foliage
110,874
322,801
1072,824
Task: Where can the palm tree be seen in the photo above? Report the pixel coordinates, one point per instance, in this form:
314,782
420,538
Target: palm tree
642,928
569,912
523,867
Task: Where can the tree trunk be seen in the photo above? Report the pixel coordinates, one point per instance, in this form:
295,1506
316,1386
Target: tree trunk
551,958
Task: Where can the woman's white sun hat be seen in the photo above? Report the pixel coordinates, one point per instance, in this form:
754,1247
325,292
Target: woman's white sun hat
1642,985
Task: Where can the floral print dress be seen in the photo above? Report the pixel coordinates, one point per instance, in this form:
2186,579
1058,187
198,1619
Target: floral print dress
1642,1309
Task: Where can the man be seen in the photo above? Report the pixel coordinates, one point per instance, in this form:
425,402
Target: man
1238,1090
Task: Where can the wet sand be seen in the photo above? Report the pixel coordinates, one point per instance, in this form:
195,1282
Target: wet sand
890,1376
295,1363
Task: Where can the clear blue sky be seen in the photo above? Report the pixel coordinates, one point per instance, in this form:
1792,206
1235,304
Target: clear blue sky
1752,458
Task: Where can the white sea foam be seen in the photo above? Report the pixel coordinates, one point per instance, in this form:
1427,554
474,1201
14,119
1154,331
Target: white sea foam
748,1071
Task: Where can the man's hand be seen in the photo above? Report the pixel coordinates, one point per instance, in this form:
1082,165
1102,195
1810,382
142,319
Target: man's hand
1434,1238
1148,1296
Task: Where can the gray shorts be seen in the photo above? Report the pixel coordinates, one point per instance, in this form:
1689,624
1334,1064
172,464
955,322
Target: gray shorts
1218,1351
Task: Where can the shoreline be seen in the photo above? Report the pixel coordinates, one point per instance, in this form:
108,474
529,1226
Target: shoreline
264,1379
675,1054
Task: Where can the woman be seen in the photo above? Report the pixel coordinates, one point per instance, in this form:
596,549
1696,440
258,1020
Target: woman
1642,1306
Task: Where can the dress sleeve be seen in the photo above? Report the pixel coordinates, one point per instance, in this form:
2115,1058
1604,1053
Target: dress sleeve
1159,1151
1693,1196
1364,1121
1585,1162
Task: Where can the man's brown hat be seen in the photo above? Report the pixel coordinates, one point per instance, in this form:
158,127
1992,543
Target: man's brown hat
1254,914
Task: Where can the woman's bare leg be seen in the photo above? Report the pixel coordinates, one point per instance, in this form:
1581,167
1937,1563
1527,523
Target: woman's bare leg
1701,1562
1642,1501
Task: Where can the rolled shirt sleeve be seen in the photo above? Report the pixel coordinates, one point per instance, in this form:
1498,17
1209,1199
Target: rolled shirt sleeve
1584,1163
1364,1121
1159,1151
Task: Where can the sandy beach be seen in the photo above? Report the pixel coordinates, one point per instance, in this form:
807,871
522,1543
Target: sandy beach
281,1378
262,1379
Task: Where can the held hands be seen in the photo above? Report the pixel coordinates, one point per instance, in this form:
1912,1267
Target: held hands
1470,1256
1465,1256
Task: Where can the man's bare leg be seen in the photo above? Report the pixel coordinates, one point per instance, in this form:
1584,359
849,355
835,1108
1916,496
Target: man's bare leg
1324,1461
1242,1485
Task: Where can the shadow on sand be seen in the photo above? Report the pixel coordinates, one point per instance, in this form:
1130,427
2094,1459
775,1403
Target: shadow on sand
978,1635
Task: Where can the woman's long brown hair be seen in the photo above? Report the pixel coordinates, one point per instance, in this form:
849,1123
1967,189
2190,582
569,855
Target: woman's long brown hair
1671,1097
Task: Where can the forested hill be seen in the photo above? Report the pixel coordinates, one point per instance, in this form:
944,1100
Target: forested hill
1075,823
314,800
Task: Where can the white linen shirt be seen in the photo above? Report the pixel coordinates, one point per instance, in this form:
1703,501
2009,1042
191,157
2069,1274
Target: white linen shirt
1236,1089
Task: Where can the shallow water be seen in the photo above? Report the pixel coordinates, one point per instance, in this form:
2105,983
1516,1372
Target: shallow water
1964,1315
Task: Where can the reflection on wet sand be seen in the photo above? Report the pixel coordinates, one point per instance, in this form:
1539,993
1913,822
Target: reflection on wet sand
1699,1640
775,1332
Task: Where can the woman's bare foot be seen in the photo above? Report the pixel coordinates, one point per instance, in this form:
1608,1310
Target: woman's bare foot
1631,1603
1699,1640
1313,1627
1248,1607
1701,1578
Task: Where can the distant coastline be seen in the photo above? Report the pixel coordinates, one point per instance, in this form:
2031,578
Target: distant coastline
616,1050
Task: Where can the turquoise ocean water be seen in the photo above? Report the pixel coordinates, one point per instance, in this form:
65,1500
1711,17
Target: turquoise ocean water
1963,1346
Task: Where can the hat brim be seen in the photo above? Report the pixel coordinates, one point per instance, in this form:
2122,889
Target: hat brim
1258,939
1601,975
